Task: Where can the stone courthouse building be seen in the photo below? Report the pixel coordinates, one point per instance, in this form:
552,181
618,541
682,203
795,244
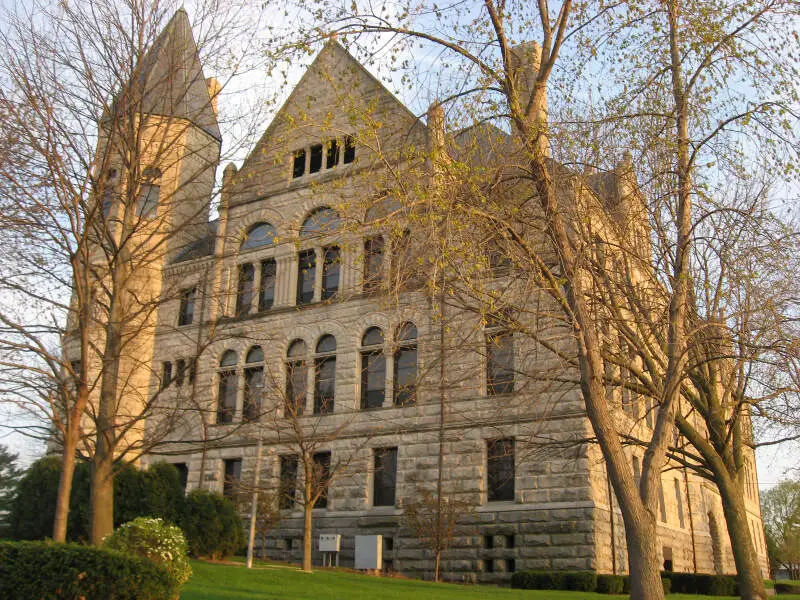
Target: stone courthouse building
298,324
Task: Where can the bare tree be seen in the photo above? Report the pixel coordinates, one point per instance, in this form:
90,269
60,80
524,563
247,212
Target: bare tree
112,173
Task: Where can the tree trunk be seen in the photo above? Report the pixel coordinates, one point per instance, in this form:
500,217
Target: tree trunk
102,494
645,571
65,484
436,565
751,584
307,540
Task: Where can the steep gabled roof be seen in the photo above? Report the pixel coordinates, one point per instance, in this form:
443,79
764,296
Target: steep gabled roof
172,77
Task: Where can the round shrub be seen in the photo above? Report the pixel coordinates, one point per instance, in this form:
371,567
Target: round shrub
212,527
152,538
48,570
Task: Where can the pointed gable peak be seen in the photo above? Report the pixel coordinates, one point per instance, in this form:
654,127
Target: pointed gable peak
173,80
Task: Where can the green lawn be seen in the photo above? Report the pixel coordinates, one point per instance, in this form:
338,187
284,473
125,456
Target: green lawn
234,582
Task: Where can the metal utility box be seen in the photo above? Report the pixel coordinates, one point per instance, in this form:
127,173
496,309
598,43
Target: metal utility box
330,542
369,552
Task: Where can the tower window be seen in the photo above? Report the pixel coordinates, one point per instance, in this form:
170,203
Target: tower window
306,274
332,158
186,311
299,163
266,292
349,149
244,294
315,162
331,268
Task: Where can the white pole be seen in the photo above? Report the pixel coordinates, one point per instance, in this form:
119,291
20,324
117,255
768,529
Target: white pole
254,507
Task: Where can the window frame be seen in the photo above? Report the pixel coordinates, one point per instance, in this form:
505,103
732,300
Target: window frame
500,374
386,493
372,362
405,344
186,307
245,289
324,405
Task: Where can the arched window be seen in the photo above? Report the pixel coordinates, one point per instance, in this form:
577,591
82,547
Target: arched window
325,375
259,235
405,365
253,384
373,369
296,378
244,291
228,384
321,221
499,357
382,208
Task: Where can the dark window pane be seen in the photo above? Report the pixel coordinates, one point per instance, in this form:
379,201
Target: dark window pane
306,273
373,263
180,371
244,295
296,378
385,480
372,337
327,343
500,470
166,374
233,475
349,149
373,379
325,387
315,164
296,348
288,483
405,376
330,272
183,474
253,393
255,355
260,234
321,477
228,359
186,313
299,165
499,363
332,158
266,292
226,402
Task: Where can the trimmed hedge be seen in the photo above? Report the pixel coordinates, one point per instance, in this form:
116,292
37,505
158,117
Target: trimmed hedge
576,581
48,571
707,585
212,527
787,587
580,581
610,584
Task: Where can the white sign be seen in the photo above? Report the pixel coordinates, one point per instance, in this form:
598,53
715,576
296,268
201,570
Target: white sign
330,542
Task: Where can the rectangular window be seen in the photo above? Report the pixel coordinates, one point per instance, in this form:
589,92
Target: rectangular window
322,478
288,482
500,470
332,158
166,374
679,502
306,273
315,163
180,372
349,149
499,363
244,294
226,402
183,474
385,477
266,292
373,379
405,376
330,272
373,263
233,475
148,200
299,164
186,312
253,393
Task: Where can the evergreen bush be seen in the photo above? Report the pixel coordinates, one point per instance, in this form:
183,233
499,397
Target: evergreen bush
610,584
212,527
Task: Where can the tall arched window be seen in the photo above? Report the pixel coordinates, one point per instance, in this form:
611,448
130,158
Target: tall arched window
325,375
253,384
260,234
405,365
244,292
373,369
296,378
228,384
